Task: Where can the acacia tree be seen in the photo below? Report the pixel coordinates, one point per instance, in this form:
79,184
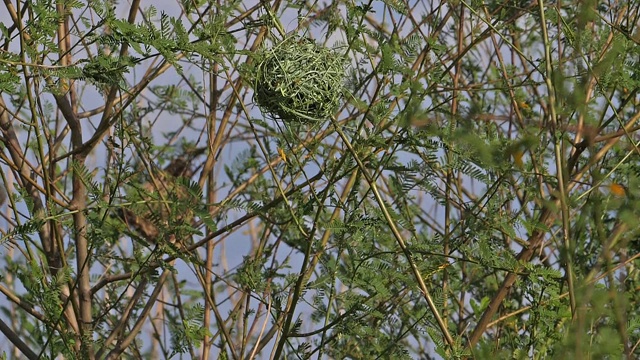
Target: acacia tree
428,180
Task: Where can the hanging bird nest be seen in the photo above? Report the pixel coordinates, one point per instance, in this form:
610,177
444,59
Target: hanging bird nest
298,80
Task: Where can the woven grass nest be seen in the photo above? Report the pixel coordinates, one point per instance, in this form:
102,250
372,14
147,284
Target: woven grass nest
298,80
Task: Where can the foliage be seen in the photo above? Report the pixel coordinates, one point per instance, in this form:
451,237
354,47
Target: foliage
431,180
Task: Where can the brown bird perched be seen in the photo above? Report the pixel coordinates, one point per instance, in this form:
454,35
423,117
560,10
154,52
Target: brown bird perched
163,207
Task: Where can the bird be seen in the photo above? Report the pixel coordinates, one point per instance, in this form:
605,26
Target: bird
160,211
